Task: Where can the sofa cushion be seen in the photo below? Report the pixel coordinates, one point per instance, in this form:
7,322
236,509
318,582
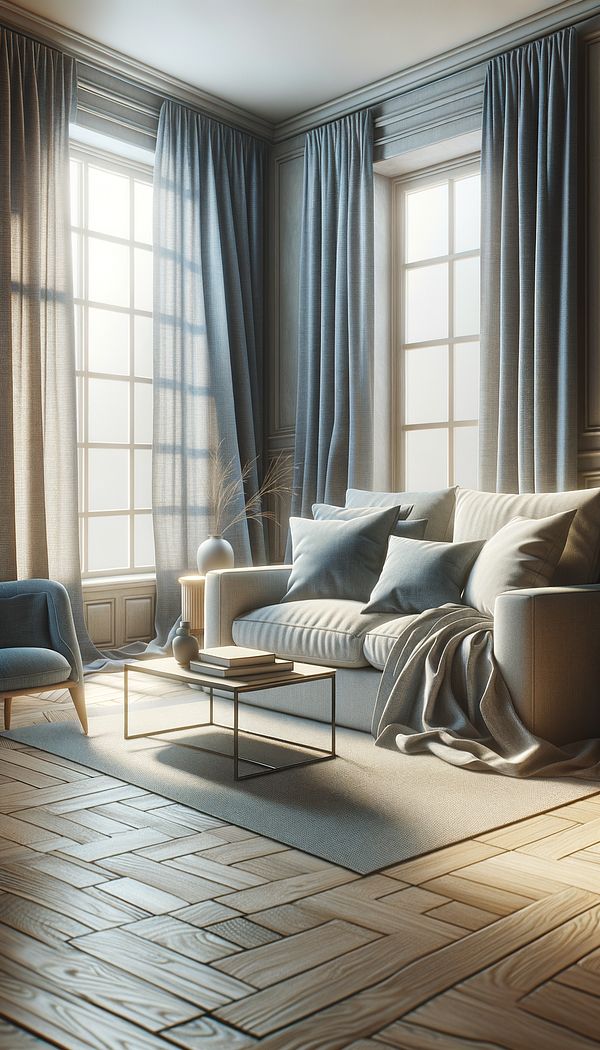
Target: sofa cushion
379,640
437,507
422,574
318,631
24,668
339,559
413,528
479,515
524,553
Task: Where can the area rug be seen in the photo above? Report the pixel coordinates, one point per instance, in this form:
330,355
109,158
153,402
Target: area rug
366,809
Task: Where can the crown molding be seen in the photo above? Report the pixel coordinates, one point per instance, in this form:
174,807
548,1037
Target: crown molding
568,12
84,49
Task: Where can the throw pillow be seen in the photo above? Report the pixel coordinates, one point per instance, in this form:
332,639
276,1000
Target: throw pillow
338,559
405,526
422,574
24,621
524,553
437,507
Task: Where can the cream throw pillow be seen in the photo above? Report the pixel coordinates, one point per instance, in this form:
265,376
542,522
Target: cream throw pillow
524,553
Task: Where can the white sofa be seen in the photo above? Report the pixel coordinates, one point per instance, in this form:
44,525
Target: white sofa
546,640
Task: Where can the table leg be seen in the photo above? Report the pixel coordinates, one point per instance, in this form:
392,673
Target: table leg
235,737
210,693
125,704
333,715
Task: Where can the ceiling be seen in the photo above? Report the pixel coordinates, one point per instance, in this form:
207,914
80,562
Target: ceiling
277,58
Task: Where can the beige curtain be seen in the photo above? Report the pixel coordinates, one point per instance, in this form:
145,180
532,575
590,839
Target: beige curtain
38,440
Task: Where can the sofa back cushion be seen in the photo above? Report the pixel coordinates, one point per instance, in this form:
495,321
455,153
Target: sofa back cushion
437,507
480,515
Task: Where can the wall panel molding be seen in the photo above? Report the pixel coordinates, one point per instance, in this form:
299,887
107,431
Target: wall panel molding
119,611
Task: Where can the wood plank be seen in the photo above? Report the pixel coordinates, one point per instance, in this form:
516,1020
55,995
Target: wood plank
81,905
65,970
442,862
570,1008
208,1034
564,842
271,963
244,933
60,793
286,890
410,1036
190,980
148,898
245,849
116,844
51,927
486,896
205,913
463,1015
180,847
228,875
464,915
526,831
191,888
193,941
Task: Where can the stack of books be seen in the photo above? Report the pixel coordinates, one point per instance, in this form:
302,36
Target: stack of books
235,661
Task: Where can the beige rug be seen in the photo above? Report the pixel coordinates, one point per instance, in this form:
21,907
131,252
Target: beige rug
365,810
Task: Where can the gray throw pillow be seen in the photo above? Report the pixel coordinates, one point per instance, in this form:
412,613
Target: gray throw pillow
338,559
422,574
405,526
24,621
524,553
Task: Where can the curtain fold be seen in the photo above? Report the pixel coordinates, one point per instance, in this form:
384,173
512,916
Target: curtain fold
208,336
528,425
333,448
39,534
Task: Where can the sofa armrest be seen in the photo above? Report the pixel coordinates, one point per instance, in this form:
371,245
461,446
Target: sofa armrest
547,646
232,592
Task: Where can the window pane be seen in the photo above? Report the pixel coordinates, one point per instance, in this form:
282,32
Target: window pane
76,262
142,478
142,282
143,212
108,202
108,479
467,207
143,414
143,540
466,451
108,411
142,335
108,272
426,385
466,297
427,303
108,342
108,543
427,223
74,185
466,381
426,459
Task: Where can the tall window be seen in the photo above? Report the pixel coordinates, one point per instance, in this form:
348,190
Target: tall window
437,325
111,214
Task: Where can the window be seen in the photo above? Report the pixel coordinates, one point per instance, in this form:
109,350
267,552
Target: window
437,326
111,216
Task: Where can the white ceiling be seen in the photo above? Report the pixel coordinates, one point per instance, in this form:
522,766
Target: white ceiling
277,58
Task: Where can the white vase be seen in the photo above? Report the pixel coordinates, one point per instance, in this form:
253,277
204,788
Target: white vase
214,553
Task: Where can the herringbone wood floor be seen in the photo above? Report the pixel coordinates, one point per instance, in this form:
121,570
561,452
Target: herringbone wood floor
127,921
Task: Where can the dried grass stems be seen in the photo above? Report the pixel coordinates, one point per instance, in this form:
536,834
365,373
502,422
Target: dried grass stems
228,486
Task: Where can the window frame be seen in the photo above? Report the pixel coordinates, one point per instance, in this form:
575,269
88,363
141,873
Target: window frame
134,171
422,179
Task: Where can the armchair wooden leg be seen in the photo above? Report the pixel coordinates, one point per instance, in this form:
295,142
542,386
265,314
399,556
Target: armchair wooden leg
7,710
78,698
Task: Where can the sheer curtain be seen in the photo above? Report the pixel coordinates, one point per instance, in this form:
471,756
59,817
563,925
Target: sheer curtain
38,440
528,428
208,335
335,339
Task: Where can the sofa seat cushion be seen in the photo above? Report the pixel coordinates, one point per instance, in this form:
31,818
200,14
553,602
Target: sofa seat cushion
316,630
29,667
380,639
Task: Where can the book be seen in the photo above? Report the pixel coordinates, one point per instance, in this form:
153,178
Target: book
235,656
250,671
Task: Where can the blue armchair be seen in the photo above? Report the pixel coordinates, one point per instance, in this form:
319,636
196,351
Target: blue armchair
38,644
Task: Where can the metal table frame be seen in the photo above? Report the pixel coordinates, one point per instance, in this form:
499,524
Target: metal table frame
235,687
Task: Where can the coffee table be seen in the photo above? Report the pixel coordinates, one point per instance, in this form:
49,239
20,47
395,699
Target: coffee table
235,688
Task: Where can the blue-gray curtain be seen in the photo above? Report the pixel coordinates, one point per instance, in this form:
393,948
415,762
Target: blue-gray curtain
528,426
335,338
208,335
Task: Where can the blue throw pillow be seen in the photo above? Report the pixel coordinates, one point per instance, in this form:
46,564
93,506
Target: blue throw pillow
405,526
338,559
24,621
422,574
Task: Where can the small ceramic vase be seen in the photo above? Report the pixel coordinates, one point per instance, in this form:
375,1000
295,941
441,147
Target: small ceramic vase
214,553
185,645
